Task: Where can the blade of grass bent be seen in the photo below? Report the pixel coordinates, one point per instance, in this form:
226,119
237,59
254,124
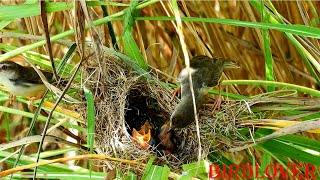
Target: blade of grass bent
111,31
306,56
303,89
70,32
130,46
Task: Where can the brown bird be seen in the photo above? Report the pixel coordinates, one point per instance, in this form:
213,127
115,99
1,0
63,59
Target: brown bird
22,81
205,72
183,114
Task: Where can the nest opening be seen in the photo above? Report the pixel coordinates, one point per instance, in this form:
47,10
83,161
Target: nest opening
144,113
142,108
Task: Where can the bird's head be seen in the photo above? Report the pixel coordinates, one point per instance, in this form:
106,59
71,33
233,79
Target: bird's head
205,61
8,70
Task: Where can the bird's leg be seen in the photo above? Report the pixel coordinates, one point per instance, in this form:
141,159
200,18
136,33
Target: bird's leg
31,101
176,92
218,100
33,98
11,98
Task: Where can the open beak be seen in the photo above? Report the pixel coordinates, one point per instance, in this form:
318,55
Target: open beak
143,136
165,137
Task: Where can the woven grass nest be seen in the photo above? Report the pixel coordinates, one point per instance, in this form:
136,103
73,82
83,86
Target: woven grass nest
115,85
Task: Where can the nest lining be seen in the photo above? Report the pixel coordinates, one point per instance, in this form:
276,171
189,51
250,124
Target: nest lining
111,80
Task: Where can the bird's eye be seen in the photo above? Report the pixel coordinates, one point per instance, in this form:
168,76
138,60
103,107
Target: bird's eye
4,67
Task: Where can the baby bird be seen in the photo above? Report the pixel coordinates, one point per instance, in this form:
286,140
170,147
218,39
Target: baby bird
205,72
22,81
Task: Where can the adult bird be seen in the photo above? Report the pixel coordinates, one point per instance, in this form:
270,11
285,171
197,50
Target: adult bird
22,81
205,72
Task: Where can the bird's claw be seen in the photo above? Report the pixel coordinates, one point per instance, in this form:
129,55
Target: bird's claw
11,98
31,101
217,104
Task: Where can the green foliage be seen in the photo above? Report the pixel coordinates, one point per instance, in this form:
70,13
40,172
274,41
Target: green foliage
267,49
155,172
291,147
293,29
27,10
130,46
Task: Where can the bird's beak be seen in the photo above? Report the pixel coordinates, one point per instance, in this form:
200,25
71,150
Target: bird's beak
230,64
166,128
169,130
170,127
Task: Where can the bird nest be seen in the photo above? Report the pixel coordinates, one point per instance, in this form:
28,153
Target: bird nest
118,89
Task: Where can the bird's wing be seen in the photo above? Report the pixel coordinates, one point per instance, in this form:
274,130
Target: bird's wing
48,75
215,72
32,76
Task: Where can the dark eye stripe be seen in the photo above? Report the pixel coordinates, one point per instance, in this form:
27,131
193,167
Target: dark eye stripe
5,67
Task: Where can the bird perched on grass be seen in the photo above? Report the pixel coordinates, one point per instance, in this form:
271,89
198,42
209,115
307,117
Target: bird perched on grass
205,72
22,81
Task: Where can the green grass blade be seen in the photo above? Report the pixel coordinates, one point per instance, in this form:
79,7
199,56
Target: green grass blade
303,89
267,50
110,27
7,123
266,160
148,167
196,169
12,12
4,24
286,146
101,3
306,56
308,143
61,175
130,46
292,151
66,57
52,153
131,176
26,160
220,159
90,120
293,29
